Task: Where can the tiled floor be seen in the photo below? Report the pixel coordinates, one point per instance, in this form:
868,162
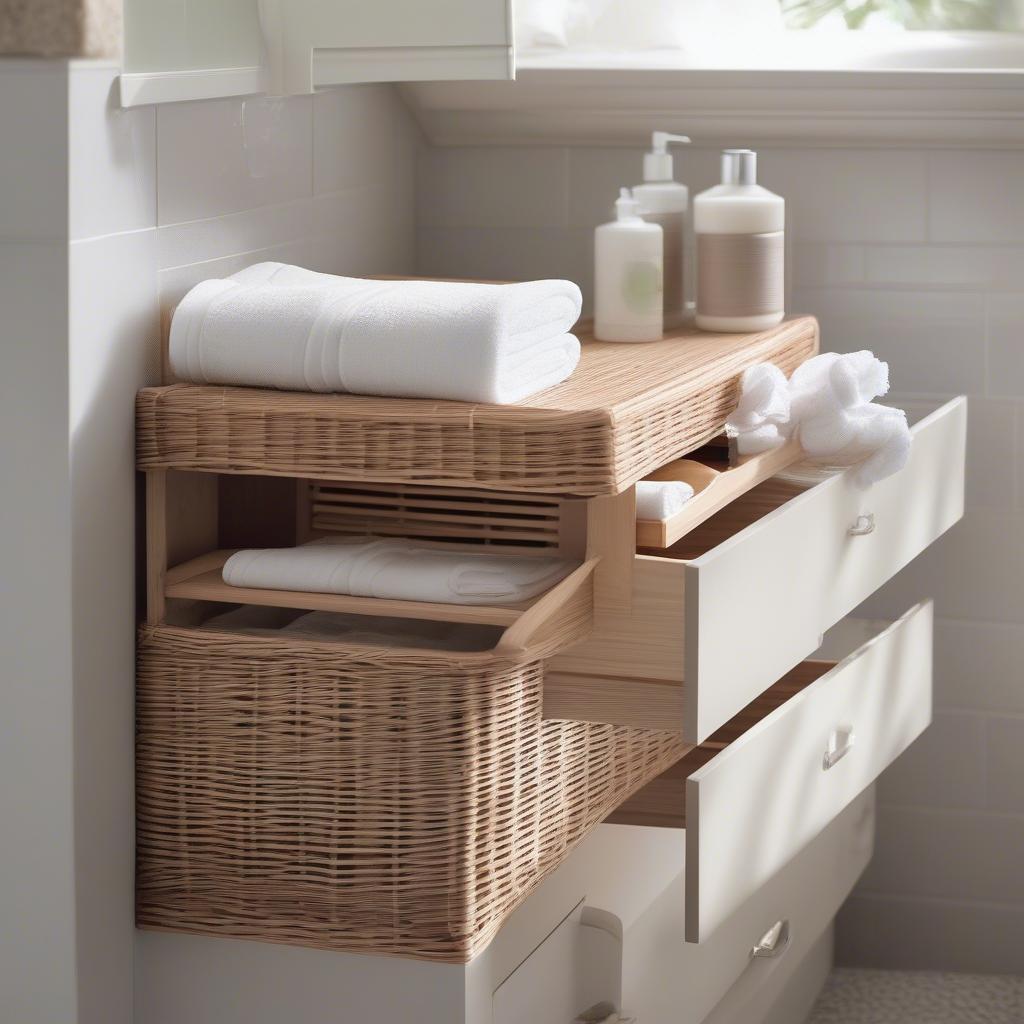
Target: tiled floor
919,997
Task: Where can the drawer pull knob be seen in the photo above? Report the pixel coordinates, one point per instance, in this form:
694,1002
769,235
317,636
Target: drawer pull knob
774,941
840,743
864,525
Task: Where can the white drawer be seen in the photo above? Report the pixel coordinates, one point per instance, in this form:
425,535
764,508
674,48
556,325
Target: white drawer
665,978
745,596
771,779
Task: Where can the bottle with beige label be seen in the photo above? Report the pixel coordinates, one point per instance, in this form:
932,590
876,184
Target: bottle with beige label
740,234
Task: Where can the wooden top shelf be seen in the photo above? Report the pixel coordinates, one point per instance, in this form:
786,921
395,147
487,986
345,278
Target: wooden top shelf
627,410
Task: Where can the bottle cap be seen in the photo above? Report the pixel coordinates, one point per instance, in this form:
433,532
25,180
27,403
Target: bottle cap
658,162
739,167
626,207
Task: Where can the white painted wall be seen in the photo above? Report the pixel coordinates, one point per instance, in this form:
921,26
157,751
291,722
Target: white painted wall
106,217
919,255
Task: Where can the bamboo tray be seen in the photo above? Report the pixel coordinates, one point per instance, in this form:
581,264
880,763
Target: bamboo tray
625,412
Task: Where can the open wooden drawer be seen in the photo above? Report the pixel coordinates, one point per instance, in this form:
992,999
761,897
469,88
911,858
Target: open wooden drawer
766,783
743,597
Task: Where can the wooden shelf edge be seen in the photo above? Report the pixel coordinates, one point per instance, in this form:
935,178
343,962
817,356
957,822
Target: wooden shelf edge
200,580
726,487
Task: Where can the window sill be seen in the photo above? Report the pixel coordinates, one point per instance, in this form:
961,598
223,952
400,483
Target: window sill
909,92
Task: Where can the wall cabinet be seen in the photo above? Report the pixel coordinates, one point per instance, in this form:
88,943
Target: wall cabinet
200,49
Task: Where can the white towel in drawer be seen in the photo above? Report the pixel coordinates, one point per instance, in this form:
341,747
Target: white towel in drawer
756,586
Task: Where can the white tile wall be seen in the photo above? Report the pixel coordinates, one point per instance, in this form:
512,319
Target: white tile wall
105,217
918,255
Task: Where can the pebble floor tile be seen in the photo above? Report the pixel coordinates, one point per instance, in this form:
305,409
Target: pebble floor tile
854,996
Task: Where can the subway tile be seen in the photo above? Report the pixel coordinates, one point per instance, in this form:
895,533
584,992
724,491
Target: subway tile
365,231
362,135
975,196
950,854
1006,345
979,665
1006,764
845,195
933,342
490,187
944,767
973,572
992,446
818,265
915,934
33,156
217,157
923,265
507,255
264,227
112,180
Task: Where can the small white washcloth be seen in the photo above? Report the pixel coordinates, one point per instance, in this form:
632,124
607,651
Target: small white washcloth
837,422
760,421
658,500
396,568
276,326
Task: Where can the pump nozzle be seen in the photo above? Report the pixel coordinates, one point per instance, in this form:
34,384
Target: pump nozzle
658,162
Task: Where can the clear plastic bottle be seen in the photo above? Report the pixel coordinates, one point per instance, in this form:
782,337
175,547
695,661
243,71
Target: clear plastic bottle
628,276
740,231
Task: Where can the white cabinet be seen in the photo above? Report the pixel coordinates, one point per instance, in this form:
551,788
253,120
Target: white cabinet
197,49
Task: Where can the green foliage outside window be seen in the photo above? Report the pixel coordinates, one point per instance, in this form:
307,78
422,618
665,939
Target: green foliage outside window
962,15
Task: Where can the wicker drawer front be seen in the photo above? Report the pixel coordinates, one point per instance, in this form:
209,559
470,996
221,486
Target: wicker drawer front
358,799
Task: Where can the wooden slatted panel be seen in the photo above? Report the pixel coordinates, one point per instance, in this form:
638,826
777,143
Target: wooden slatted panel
512,522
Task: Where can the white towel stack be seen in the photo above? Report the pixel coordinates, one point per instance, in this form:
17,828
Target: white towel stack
396,568
277,326
828,405
659,500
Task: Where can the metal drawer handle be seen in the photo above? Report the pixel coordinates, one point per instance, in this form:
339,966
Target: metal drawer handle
865,524
840,743
774,942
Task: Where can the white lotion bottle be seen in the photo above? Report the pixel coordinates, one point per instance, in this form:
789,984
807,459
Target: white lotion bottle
665,202
740,232
628,276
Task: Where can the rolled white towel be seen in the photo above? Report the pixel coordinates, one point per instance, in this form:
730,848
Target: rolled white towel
277,326
760,420
658,500
396,568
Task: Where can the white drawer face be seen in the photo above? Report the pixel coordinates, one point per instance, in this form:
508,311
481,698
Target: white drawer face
763,798
664,978
758,603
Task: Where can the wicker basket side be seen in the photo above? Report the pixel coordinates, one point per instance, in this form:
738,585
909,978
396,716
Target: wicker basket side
358,799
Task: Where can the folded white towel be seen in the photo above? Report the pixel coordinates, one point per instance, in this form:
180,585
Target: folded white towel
396,568
277,326
760,420
659,500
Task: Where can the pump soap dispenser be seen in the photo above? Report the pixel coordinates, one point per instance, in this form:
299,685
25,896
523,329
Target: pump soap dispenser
664,202
740,250
627,276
